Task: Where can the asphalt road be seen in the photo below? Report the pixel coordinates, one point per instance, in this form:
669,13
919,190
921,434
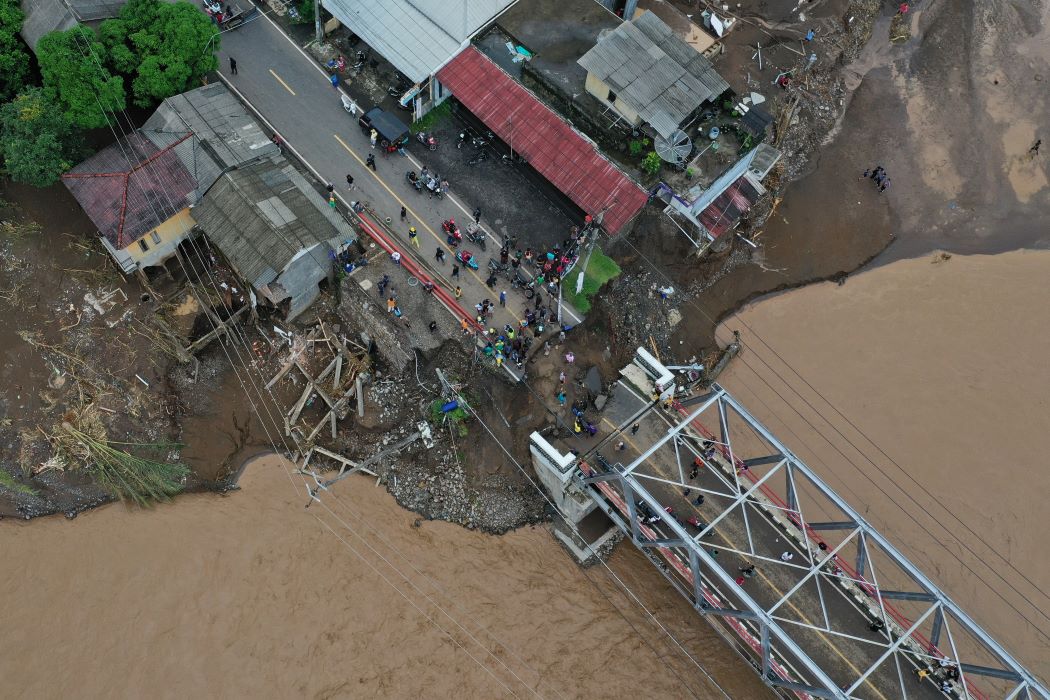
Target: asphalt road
294,97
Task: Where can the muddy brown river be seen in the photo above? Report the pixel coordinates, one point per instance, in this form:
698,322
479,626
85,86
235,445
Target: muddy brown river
939,369
250,594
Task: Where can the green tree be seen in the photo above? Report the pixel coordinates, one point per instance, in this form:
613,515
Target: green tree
652,163
72,65
162,48
14,59
37,141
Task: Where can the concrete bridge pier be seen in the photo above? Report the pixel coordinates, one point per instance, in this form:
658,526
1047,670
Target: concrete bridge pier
582,527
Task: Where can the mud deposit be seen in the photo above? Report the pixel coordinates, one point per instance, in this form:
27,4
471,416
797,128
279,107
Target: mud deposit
251,595
941,362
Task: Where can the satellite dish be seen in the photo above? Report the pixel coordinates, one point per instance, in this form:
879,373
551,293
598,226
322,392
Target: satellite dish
674,149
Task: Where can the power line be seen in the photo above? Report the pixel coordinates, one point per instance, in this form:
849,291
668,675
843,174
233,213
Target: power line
861,471
247,371
612,573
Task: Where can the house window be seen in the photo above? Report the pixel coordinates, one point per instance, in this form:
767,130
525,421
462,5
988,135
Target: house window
155,236
142,244
612,96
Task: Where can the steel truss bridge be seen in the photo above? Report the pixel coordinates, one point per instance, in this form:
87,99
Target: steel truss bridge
831,609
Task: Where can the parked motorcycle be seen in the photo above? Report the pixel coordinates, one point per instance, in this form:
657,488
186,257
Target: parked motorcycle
476,235
435,186
428,140
452,234
467,258
414,180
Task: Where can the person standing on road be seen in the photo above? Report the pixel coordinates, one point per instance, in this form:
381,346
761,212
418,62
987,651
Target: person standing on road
349,181
335,80
391,304
373,137
413,236
459,292
370,161
396,257
634,429
404,213
455,272
503,298
477,215
439,255
233,65
787,556
331,201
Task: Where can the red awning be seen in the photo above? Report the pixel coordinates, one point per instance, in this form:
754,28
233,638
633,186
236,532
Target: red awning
552,147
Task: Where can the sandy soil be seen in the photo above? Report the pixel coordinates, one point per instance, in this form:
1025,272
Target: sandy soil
250,595
941,363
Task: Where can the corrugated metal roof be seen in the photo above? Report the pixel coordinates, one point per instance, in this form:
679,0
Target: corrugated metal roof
263,216
43,17
417,36
551,146
724,213
217,118
130,187
654,71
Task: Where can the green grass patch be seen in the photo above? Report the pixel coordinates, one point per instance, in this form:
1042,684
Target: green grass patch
8,482
428,120
600,270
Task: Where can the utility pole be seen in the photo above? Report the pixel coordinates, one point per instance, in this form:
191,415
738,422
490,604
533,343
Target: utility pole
318,32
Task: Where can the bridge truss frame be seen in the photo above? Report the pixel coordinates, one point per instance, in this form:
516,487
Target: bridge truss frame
932,630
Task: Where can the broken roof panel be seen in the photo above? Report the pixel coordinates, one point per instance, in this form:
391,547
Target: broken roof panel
654,71
727,208
264,217
551,146
417,36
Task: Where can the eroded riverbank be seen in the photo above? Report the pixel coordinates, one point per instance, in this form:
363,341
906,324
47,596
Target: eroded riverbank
250,594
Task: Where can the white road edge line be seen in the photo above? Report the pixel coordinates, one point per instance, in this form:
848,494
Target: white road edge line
414,162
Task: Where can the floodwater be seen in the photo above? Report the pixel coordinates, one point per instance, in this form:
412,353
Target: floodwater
942,363
249,594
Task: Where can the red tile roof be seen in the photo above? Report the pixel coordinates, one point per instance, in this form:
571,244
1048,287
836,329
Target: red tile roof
723,213
551,146
131,187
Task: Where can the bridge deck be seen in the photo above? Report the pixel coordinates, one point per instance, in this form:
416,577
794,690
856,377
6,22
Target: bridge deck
748,535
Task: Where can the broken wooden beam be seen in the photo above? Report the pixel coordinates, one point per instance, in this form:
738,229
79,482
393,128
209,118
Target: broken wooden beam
222,327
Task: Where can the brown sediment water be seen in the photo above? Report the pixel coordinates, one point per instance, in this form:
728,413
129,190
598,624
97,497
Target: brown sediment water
942,362
250,594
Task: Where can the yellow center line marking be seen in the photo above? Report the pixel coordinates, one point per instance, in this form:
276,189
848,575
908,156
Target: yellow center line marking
420,222
802,615
282,82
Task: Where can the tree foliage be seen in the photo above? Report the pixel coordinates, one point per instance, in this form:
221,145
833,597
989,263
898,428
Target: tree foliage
72,66
162,48
37,141
14,59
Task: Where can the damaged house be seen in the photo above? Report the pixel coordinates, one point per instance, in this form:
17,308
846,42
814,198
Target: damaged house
140,192
277,233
